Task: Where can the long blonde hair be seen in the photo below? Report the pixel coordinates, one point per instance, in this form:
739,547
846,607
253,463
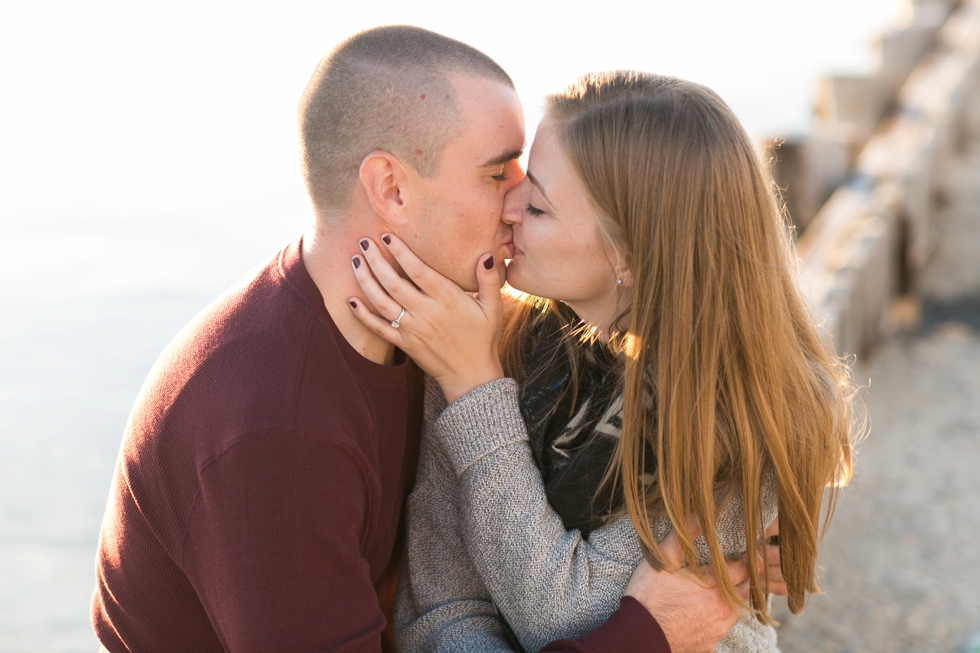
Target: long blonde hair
742,381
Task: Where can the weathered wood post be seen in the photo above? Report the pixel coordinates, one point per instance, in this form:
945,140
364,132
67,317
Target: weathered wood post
878,154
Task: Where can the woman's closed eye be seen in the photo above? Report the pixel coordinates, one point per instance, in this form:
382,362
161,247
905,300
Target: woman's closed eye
530,209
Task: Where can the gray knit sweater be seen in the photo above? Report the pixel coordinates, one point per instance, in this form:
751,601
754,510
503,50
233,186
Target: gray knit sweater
482,537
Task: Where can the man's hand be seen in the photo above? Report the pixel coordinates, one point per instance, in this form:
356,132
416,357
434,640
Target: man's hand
776,584
694,617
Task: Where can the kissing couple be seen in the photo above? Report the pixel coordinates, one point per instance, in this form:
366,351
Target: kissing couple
581,407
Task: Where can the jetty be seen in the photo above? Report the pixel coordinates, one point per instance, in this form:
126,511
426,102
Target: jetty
885,195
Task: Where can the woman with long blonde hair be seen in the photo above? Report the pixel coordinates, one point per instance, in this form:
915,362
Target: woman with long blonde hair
662,373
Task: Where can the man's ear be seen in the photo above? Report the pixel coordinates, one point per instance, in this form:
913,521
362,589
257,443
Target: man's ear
384,180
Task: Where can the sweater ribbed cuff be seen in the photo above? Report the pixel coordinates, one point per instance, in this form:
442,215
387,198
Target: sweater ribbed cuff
481,422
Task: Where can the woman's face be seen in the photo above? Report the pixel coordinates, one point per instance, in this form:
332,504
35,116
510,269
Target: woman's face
559,252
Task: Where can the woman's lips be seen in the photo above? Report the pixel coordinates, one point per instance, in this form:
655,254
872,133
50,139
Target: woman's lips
509,247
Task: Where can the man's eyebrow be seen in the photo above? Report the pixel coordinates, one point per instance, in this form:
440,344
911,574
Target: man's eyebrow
504,158
537,184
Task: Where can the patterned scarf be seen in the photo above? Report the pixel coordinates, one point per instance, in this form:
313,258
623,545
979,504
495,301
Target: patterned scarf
574,438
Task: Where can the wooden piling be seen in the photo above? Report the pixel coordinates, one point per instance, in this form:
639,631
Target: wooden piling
881,149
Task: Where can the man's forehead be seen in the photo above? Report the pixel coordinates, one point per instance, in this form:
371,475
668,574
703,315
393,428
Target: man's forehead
486,99
494,132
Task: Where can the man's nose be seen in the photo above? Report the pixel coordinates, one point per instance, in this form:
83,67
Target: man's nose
517,174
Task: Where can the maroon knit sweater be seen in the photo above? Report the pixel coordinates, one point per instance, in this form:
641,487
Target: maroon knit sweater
255,503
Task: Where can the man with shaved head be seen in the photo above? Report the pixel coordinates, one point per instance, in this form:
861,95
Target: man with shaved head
256,501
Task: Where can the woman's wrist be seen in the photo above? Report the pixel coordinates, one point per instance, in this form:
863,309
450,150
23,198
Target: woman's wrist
456,386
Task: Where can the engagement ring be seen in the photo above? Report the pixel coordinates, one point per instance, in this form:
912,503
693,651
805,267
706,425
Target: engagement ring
397,322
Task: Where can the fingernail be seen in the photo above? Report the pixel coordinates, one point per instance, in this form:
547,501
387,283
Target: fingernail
364,245
352,303
488,264
387,239
357,262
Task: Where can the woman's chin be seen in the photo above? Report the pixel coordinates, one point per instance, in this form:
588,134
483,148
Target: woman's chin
511,276
514,281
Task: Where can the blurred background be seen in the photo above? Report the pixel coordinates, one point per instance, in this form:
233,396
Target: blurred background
148,158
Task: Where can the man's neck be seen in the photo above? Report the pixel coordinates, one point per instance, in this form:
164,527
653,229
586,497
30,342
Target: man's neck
327,256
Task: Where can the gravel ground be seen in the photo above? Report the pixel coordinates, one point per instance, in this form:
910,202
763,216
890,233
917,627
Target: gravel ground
901,563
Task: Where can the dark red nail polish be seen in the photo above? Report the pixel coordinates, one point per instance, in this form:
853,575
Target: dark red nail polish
357,262
387,239
488,264
353,304
364,245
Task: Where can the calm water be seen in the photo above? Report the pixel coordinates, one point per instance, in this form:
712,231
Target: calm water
124,134
86,307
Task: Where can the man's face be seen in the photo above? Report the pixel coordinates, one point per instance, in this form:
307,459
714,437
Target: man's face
455,217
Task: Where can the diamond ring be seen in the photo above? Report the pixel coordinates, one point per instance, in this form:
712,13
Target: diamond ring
397,322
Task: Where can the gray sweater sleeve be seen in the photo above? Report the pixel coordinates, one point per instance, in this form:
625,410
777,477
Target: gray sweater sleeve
442,604
547,582
448,598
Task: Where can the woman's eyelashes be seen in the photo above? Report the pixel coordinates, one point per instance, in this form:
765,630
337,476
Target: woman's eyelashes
532,210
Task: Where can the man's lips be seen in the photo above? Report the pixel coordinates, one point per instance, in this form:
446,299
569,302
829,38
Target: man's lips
509,247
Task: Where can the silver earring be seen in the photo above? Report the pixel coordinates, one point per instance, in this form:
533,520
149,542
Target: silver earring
619,282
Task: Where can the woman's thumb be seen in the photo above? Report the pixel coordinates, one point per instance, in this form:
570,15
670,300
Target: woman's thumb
490,276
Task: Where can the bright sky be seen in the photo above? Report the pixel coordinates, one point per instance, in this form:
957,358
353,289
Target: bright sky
129,107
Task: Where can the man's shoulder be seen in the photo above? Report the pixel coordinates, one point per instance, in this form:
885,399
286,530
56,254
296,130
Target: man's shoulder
237,366
259,313
264,358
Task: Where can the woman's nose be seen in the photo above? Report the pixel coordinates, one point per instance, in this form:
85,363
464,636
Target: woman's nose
514,203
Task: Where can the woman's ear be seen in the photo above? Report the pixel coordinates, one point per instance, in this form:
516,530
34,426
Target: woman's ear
384,180
624,277
621,268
